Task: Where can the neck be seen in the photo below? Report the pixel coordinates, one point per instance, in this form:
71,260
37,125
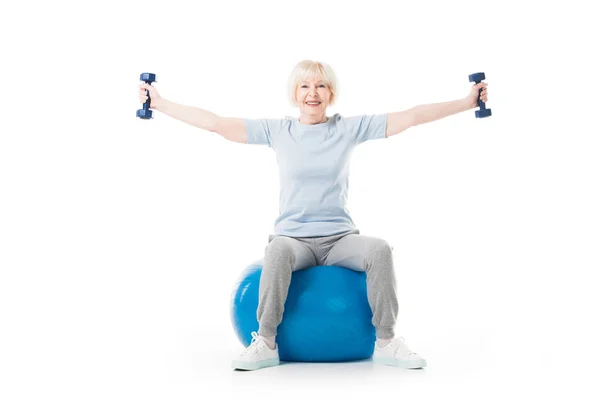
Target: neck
312,119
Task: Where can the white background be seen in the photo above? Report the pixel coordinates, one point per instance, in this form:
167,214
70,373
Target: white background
121,239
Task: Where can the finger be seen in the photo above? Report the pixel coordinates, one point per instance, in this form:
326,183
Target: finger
147,91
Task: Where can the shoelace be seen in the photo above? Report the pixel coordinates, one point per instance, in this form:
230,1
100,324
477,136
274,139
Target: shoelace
405,351
253,347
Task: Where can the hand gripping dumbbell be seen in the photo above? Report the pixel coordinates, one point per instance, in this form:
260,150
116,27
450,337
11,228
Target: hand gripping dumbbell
146,112
482,112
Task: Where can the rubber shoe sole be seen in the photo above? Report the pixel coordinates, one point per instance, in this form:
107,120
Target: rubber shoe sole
247,366
412,364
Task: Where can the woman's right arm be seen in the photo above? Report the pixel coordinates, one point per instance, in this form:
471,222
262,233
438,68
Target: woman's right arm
233,129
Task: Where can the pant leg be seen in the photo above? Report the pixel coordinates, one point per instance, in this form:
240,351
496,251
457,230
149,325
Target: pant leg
374,256
283,255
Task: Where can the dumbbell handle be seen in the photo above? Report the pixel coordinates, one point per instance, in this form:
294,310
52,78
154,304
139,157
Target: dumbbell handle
147,103
480,102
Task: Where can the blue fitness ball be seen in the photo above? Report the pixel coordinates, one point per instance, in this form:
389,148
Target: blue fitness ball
327,316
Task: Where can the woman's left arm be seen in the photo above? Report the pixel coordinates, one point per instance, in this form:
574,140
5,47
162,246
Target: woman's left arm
402,120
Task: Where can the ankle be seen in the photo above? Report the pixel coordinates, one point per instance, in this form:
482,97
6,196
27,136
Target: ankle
383,342
270,341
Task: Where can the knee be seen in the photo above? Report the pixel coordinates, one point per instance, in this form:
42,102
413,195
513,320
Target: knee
380,252
279,249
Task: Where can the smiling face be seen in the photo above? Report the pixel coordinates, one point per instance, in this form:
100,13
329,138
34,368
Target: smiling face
313,96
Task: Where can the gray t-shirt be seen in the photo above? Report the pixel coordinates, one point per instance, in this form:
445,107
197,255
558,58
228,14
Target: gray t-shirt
313,169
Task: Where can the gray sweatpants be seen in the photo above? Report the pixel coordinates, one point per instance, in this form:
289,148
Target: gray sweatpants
285,254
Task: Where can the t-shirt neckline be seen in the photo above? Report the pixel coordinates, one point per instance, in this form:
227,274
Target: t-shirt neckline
309,126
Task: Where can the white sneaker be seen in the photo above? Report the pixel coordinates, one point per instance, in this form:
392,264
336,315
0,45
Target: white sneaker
397,354
257,355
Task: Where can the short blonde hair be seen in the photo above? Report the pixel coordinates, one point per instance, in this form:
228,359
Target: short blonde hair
311,69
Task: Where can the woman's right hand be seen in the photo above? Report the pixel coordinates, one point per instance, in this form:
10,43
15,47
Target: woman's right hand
154,96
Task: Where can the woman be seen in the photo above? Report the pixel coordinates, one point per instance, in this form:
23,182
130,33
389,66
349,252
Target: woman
314,227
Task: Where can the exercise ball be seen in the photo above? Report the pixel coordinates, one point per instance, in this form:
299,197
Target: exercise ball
326,318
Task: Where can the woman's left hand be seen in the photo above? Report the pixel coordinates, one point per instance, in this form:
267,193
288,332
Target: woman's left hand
474,95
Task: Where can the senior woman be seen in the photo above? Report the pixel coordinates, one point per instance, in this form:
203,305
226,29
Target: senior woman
314,227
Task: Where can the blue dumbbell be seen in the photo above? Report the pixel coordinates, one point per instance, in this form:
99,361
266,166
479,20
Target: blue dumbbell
146,112
482,112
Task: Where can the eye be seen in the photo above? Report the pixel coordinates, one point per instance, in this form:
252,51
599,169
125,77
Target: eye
322,85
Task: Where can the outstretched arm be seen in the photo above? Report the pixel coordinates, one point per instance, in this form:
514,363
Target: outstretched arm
402,120
233,129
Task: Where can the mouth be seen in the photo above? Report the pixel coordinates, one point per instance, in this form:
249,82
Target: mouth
313,103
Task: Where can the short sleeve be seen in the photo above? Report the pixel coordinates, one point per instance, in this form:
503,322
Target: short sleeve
368,127
261,131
